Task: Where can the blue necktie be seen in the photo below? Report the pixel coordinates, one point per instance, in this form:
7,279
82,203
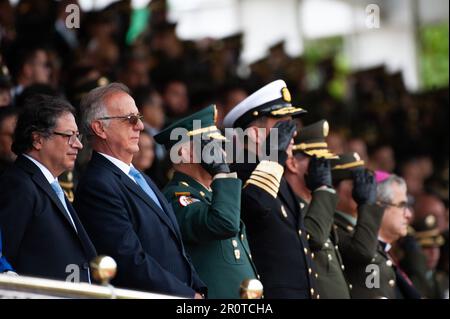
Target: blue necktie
60,193
140,180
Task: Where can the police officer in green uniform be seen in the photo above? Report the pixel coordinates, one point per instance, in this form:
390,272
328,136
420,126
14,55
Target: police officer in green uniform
308,173
206,199
269,208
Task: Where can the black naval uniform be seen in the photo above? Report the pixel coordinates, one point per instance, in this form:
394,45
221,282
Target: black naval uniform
277,238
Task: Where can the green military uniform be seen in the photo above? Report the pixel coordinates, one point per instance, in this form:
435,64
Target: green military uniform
66,182
432,283
212,231
358,239
209,218
318,219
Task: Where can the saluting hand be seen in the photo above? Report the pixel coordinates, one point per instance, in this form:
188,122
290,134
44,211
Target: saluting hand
213,157
364,187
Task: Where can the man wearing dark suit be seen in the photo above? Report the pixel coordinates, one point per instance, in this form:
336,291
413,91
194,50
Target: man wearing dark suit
125,214
43,233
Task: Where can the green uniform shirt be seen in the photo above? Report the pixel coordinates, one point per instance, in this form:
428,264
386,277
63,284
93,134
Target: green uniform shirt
213,232
323,241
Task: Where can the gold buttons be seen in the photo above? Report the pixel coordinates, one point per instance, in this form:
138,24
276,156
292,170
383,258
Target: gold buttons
299,232
336,247
307,236
342,267
202,194
305,250
392,282
350,286
237,254
329,257
312,291
312,255
327,245
318,296
310,271
283,211
316,275
389,263
242,236
235,243
250,256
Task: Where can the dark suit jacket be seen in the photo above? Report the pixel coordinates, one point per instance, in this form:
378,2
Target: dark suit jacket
277,238
127,225
38,237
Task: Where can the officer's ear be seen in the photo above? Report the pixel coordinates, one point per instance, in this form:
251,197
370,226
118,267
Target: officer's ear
292,165
98,128
185,151
37,140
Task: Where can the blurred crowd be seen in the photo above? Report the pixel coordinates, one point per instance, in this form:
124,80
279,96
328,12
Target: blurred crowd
392,129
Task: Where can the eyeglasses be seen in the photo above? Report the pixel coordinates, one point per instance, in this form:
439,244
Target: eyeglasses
402,205
71,137
132,118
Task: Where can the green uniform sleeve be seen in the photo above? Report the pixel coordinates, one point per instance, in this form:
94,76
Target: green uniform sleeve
202,221
361,246
319,218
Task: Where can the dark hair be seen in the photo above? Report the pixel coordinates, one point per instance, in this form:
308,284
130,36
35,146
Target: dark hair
39,114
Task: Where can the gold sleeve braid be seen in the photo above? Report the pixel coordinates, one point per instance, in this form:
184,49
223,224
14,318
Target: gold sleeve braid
267,176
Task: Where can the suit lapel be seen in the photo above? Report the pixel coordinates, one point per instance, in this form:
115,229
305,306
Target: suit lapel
102,161
38,177
82,235
137,190
168,211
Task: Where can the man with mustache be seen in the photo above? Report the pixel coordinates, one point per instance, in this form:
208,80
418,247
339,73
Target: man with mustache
42,235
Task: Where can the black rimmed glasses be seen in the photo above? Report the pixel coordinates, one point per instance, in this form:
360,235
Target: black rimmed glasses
132,118
72,137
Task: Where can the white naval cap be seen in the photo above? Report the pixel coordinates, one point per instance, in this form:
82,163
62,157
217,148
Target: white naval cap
273,99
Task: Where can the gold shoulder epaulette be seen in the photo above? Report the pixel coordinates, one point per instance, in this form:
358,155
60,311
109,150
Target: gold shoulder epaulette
267,176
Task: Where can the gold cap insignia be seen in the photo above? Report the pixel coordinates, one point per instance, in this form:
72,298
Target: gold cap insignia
102,81
326,128
286,94
430,221
215,114
356,156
